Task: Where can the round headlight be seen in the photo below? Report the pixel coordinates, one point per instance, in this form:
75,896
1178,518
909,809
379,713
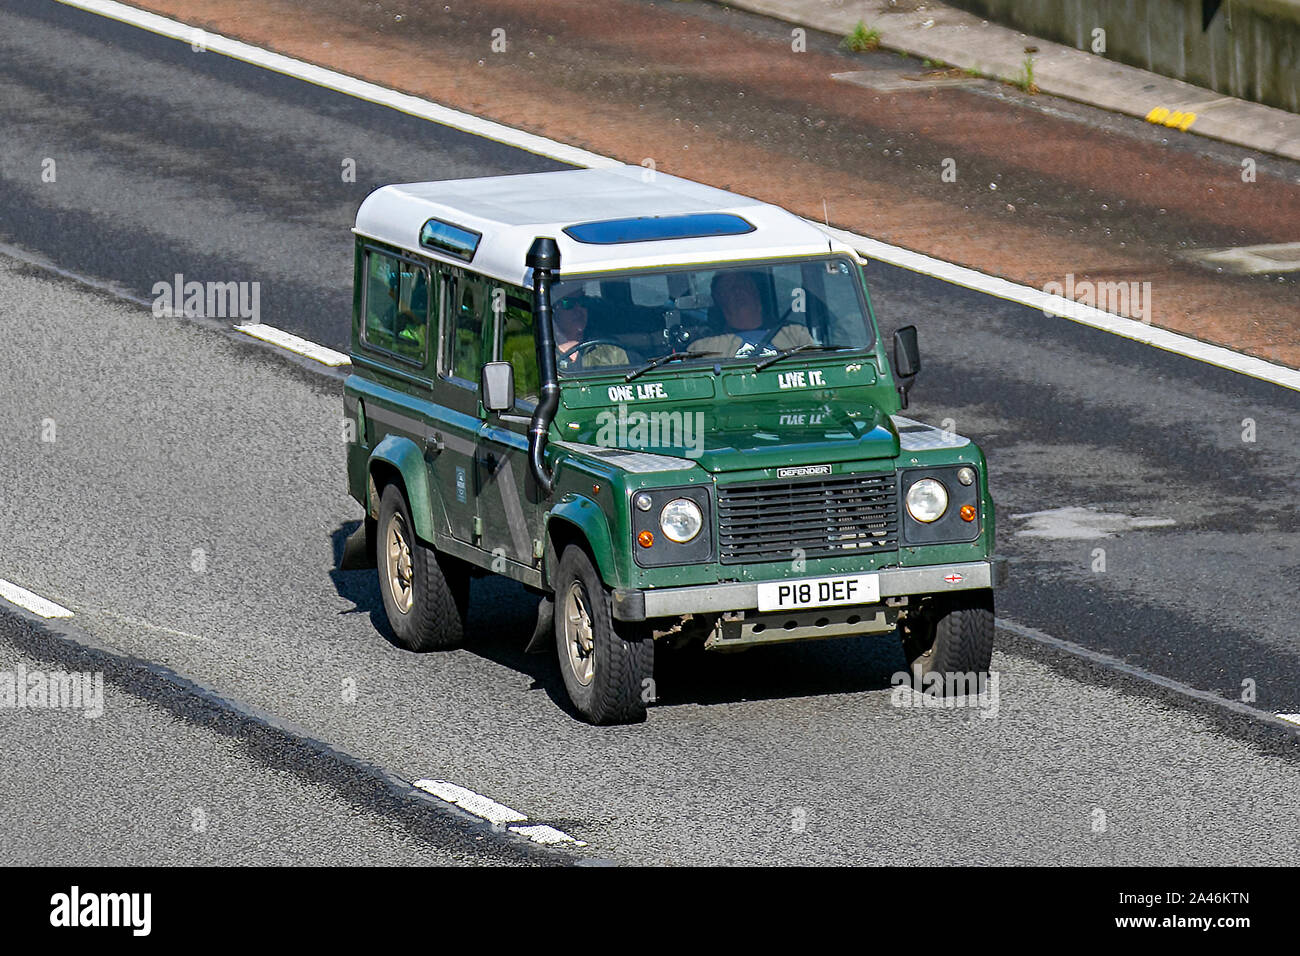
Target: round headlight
927,500
966,475
643,502
681,520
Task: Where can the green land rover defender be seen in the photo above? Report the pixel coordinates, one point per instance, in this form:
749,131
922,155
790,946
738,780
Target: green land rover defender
662,407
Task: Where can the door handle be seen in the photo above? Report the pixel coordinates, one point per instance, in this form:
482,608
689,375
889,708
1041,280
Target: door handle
489,461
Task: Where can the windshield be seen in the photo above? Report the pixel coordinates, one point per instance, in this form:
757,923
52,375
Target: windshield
742,311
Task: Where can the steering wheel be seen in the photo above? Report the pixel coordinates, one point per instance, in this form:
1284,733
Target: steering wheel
767,339
582,348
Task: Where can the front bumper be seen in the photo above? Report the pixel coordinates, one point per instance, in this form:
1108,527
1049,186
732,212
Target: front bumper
636,605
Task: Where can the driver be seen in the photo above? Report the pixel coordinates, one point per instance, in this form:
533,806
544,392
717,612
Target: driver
569,319
736,294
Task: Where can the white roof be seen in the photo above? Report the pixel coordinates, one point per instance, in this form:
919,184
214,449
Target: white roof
511,211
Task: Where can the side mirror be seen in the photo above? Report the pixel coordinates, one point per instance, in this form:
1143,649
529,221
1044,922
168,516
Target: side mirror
907,359
497,387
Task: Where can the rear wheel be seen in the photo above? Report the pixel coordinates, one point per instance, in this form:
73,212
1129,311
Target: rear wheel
426,595
607,665
951,634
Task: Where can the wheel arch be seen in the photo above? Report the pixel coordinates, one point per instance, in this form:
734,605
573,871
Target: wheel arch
399,460
578,520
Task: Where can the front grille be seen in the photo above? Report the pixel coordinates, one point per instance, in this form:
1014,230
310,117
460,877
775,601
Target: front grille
823,517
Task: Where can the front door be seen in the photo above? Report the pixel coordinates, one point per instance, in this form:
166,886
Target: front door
509,503
453,431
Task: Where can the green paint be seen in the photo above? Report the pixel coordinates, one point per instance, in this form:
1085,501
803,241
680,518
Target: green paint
466,473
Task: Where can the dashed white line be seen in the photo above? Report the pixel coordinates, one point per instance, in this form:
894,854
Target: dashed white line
495,813
293,343
542,146
547,835
475,803
31,601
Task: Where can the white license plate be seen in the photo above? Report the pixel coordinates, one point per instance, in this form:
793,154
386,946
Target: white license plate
819,592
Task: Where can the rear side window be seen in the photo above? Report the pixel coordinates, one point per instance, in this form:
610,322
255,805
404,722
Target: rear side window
396,306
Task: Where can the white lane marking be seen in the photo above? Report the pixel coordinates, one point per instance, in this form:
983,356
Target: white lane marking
498,814
293,343
547,835
300,69
475,803
1064,308
872,248
1292,718
32,602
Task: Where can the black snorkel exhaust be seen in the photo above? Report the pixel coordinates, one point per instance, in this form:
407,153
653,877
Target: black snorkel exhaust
544,259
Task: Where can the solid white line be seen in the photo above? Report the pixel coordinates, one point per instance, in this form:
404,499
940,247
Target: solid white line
300,69
498,814
293,343
542,146
1292,718
1069,309
32,602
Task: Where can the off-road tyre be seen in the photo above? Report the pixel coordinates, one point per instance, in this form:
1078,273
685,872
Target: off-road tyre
951,634
613,682
429,614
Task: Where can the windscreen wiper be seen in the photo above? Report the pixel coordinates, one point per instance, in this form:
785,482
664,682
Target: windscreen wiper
759,366
655,363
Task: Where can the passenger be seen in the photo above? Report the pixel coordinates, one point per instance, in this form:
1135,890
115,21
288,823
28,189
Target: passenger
412,321
736,295
411,333
569,315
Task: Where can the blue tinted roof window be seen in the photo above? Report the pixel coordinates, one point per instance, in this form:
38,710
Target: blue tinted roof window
650,228
453,240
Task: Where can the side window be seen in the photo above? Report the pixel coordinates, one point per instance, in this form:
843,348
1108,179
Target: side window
842,312
396,306
517,345
466,339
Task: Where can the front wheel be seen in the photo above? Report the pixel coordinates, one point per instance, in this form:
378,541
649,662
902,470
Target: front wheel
607,665
950,634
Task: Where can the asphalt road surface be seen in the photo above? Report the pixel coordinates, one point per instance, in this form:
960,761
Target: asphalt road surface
129,782
191,501
189,510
